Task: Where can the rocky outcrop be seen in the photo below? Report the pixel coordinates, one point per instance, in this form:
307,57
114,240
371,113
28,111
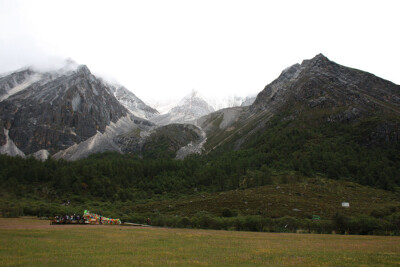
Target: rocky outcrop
274,93
3,139
165,139
387,133
351,114
14,80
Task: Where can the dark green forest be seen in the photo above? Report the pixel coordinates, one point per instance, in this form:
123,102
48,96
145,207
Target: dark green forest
113,176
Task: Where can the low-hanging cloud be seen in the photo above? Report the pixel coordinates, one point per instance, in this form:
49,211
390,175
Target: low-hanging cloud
164,49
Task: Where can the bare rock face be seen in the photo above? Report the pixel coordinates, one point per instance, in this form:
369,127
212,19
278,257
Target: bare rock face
3,139
56,110
274,93
9,82
386,132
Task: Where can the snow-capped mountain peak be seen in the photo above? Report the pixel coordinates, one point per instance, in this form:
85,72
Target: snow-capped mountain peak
191,107
194,103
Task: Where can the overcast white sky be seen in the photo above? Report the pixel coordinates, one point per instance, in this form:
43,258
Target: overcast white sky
164,49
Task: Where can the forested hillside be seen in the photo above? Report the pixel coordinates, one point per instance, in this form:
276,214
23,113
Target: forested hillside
307,147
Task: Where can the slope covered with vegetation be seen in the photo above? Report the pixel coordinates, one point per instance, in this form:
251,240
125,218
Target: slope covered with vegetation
286,154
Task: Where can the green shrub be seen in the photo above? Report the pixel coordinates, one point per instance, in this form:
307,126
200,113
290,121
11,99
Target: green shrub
320,226
228,213
341,223
186,222
287,224
12,211
363,225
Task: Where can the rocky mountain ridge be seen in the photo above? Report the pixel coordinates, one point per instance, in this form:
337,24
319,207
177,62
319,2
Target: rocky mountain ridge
71,114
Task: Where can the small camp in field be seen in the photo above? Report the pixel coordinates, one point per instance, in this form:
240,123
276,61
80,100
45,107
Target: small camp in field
93,218
87,218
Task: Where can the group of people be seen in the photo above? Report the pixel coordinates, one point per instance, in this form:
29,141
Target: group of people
76,218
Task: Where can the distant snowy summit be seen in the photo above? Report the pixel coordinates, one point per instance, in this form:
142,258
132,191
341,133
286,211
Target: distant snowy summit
187,110
195,105
230,101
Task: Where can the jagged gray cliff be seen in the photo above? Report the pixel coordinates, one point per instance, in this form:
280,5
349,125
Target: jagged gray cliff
55,110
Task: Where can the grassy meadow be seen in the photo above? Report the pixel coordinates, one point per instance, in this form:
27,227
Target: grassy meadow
31,242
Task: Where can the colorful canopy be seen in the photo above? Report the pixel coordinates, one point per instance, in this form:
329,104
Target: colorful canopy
98,219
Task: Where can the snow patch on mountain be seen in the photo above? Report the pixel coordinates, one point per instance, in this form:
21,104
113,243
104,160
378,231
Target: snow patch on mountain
227,101
10,148
163,106
76,102
230,116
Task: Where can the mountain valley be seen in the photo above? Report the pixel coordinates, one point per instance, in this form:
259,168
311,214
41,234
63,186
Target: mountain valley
319,126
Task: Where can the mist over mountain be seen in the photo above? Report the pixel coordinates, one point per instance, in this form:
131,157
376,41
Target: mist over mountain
196,105
188,109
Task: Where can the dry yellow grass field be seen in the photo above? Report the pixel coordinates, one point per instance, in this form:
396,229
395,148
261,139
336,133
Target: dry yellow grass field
32,242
